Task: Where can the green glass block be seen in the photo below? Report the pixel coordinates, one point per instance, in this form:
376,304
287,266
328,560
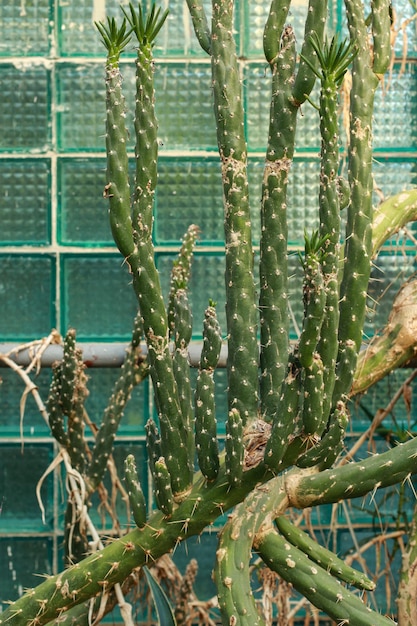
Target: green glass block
27,286
22,561
83,212
184,106
207,281
100,385
24,108
257,94
25,27
12,388
20,472
77,34
395,119
177,36
389,272
25,201
81,106
394,175
97,297
189,191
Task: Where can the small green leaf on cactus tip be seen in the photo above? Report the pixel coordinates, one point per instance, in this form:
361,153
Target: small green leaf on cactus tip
314,244
145,27
114,39
334,57
212,303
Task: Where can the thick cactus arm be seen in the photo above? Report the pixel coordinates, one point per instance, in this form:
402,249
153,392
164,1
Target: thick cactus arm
392,215
322,556
273,268
146,29
200,24
315,24
358,248
241,310
316,583
134,490
117,189
205,410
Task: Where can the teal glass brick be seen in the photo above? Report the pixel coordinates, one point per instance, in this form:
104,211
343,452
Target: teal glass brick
25,201
27,294
25,28
81,114
389,272
20,472
395,119
12,388
184,106
77,35
189,192
24,108
97,297
22,560
100,385
82,209
177,36
365,407
257,95
394,175
207,282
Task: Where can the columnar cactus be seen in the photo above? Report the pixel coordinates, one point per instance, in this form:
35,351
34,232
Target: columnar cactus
287,404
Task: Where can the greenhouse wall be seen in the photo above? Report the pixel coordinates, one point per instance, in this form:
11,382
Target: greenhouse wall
59,267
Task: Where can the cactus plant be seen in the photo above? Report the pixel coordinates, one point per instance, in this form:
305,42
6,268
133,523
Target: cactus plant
287,404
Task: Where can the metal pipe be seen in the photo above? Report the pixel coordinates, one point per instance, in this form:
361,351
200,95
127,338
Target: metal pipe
95,354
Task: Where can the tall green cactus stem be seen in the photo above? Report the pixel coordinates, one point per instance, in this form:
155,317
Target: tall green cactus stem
334,59
284,425
232,572
316,583
314,28
132,372
183,322
137,500
273,298
241,310
205,409
358,237
314,298
146,28
140,258
234,448
200,23
117,189
54,408
153,444
204,504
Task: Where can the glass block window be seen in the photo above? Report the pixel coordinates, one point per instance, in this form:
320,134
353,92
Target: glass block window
59,267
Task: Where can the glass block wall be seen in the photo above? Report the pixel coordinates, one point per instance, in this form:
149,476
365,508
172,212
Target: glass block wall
58,265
